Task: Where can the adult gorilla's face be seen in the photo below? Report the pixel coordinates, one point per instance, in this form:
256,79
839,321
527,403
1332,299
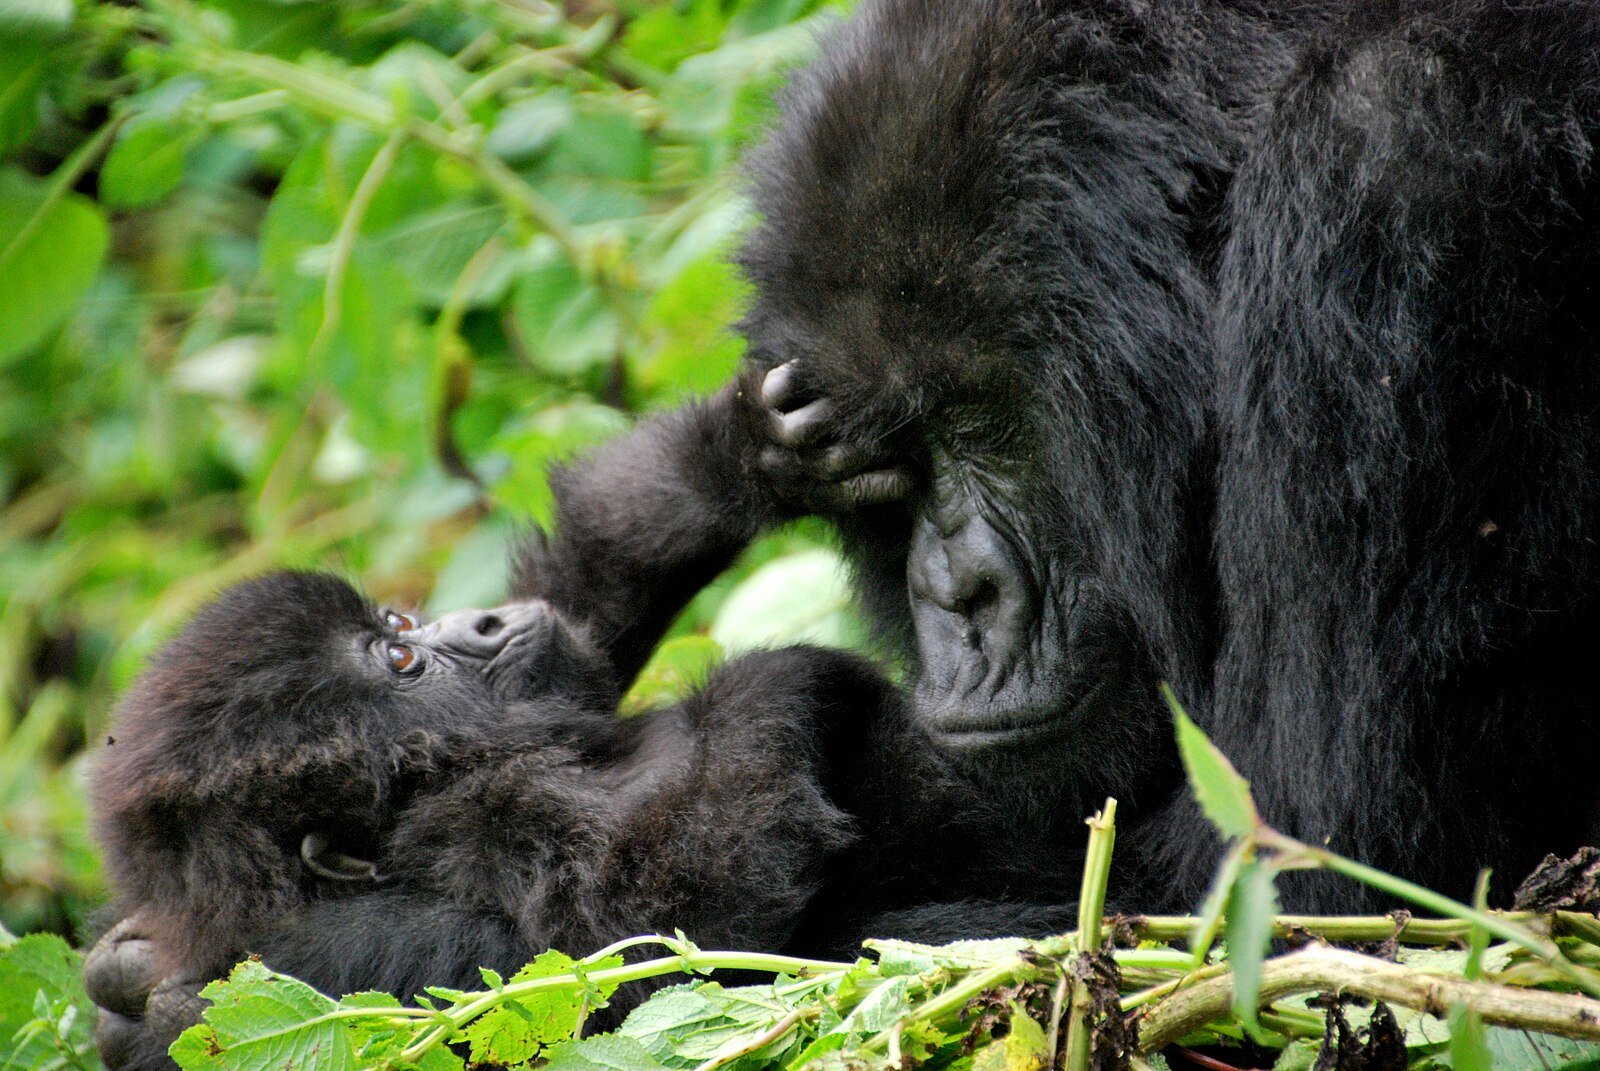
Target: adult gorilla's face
1016,638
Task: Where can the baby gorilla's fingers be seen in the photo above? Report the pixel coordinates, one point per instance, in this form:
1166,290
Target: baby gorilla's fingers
803,426
781,388
120,970
870,489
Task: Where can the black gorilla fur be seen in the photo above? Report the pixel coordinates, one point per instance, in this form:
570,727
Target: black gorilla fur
507,809
1235,343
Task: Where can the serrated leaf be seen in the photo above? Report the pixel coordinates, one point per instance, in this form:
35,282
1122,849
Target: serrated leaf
146,163
1223,795
519,1030
668,1011
1208,923
262,1021
1251,906
43,1007
51,247
607,1052
883,1007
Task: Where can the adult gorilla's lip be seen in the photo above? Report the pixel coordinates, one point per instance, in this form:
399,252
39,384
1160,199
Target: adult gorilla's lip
978,725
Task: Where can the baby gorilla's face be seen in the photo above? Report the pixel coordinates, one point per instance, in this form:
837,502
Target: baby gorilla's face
295,661
514,652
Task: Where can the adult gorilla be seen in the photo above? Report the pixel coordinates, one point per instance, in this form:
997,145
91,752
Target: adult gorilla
1232,343
1239,344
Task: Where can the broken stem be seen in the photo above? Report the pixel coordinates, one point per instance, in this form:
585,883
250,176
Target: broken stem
1318,968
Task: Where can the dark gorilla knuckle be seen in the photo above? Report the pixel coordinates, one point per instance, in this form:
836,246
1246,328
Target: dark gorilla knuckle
120,970
174,1006
119,1038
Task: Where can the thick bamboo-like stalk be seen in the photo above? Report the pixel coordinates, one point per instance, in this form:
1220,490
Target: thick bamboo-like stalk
1319,969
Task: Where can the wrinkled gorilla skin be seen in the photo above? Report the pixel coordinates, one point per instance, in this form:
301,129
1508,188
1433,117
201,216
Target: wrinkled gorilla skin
1237,344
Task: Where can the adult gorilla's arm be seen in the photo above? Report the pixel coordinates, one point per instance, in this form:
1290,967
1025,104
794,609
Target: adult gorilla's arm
646,521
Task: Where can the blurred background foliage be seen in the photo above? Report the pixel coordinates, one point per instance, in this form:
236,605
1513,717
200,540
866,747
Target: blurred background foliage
330,284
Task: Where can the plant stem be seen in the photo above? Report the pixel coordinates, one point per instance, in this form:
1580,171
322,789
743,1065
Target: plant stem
695,962
1320,968
1438,903
1091,910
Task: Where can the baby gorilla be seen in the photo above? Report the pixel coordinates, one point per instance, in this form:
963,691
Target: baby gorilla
369,802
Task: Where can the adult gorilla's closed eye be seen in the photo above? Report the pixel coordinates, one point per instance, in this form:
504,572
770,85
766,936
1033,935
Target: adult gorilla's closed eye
372,803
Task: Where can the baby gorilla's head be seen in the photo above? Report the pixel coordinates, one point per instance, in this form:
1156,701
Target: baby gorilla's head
269,746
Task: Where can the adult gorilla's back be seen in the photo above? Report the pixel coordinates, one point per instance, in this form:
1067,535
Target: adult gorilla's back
1238,345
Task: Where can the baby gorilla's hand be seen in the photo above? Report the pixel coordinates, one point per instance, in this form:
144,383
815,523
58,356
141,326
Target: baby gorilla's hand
812,458
141,1014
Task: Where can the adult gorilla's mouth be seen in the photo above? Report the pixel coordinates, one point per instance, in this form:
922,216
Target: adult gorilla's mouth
1008,650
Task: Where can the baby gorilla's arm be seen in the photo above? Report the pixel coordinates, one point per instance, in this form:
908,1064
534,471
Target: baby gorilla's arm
646,521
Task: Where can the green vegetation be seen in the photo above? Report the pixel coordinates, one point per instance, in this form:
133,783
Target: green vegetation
329,285
1117,992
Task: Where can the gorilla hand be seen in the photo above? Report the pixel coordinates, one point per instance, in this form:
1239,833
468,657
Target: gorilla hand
813,460
141,1014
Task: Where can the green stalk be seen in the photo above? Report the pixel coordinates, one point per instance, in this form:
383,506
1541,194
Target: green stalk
692,962
1438,903
1091,912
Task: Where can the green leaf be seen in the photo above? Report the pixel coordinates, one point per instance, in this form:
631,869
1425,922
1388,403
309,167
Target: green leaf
22,76
1022,1049
886,1005
1523,1050
798,598
146,163
261,1021
1208,923
517,1031
44,1011
51,246
549,434
607,1052
1223,795
675,670
1251,907
1469,1045
35,17
565,322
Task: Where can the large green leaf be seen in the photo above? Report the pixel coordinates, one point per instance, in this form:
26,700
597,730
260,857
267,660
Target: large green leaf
146,163
51,247
261,1021
798,598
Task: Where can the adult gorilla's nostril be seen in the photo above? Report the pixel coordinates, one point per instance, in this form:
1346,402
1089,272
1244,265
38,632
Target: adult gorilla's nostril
489,625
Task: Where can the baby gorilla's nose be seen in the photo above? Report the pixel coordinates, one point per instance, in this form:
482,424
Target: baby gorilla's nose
483,633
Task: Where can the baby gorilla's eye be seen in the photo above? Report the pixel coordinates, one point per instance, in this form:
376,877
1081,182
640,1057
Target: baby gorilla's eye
402,659
398,622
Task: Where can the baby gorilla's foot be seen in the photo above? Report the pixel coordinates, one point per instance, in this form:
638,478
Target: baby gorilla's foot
814,460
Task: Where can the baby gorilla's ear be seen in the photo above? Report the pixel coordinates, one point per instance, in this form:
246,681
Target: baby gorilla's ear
324,860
